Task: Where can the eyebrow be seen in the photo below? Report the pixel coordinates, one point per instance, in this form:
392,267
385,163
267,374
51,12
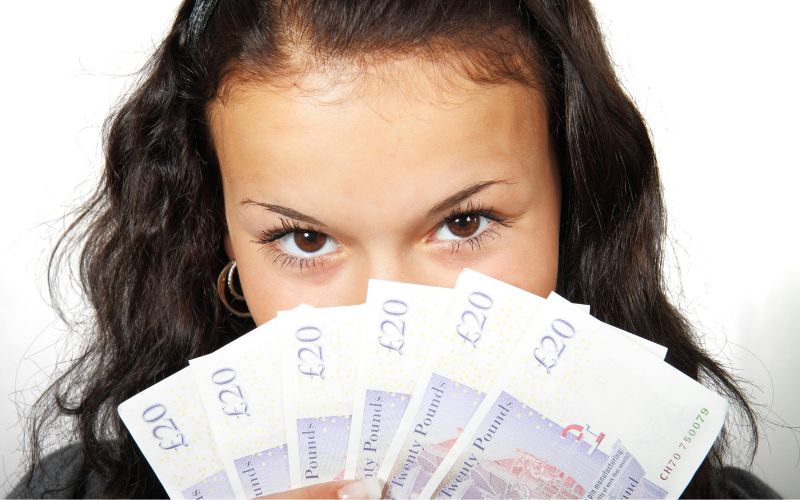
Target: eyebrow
443,205
463,194
286,211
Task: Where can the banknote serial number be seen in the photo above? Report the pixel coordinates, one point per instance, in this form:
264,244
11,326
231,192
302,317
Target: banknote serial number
473,318
165,430
230,393
393,326
672,463
310,356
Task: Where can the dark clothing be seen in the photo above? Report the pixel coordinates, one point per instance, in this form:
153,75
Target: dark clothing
743,484
57,476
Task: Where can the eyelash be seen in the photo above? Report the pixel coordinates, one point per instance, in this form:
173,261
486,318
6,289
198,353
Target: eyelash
283,259
477,241
288,226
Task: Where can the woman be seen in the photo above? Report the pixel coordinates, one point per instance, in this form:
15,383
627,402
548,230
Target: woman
308,146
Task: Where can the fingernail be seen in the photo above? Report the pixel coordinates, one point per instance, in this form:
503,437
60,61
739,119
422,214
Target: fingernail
366,488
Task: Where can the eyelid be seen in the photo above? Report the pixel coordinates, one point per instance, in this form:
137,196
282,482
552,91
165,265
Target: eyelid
270,239
477,208
465,194
286,226
286,243
483,223
489,231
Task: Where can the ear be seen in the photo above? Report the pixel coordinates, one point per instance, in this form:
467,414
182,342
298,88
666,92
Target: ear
228,246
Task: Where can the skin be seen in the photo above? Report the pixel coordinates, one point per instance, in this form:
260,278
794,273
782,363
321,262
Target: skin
372,160
398,174
323,490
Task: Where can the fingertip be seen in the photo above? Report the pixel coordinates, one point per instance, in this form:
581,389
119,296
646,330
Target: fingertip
365,488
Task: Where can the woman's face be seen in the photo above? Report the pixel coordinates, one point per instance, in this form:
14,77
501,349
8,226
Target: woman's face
394,175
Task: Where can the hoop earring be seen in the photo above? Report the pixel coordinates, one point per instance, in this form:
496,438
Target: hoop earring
225,281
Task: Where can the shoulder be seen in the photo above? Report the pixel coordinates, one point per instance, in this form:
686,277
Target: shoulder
60,475
732,482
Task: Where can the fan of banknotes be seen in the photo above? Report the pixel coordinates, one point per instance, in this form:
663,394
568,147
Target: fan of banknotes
479,391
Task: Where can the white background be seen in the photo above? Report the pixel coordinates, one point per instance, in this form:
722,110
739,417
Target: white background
717,82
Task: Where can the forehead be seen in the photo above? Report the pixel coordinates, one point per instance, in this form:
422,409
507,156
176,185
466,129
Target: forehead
397,120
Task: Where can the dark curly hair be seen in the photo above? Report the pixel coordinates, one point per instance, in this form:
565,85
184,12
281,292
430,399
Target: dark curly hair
150,239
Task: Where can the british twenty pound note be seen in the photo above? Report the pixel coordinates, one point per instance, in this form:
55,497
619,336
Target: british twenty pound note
401,323
169,425
241,391
580,413
319,366
485,320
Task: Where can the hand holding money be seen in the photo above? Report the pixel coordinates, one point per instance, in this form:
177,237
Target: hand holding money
483,390
349,489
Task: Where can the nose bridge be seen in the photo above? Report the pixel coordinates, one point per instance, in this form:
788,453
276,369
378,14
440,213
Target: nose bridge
389,262
405,263
390,266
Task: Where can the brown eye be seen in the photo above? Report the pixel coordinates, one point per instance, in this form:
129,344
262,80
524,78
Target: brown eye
301,243
309,241
464,226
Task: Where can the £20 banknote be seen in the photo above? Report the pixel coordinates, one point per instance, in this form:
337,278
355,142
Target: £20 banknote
579,412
